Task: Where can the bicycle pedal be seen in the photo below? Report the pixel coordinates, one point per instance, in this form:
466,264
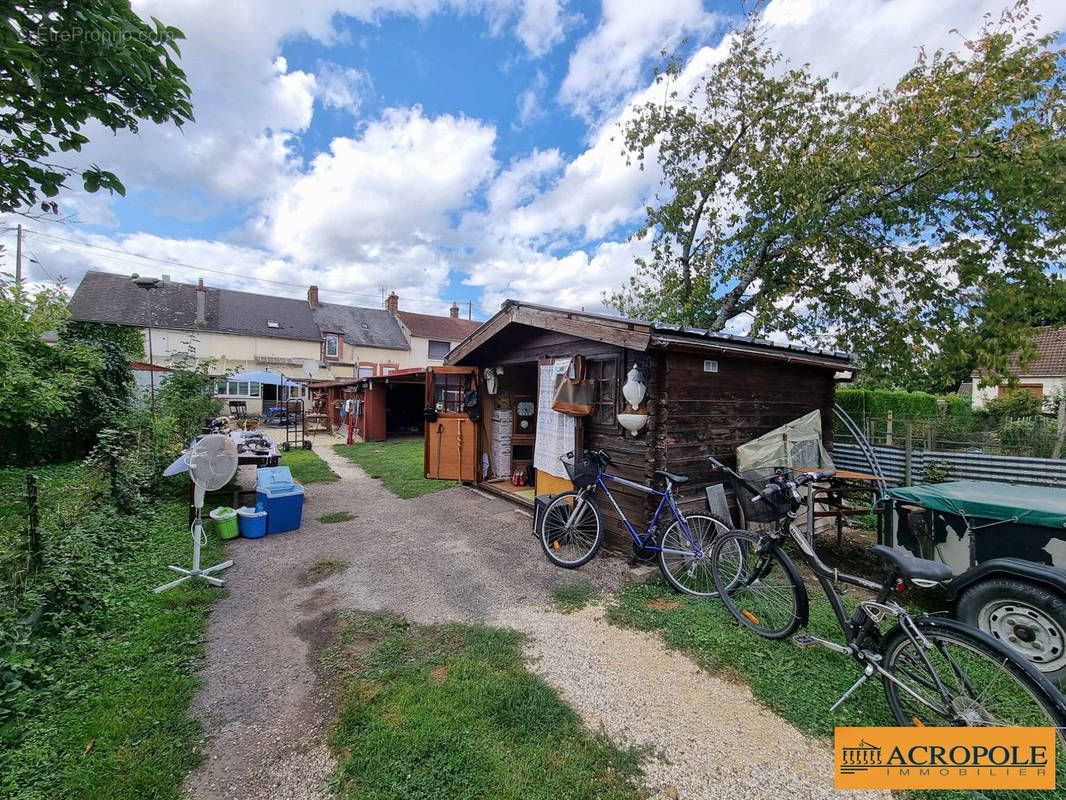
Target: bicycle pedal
804,640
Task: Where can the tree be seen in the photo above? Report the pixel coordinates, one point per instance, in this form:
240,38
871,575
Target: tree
64,63
875,223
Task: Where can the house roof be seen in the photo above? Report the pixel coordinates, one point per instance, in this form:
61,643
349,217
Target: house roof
143,366
1049,361
106,297
641,335
366,327
428,326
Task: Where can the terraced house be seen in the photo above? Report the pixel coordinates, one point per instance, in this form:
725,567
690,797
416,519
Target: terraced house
306,340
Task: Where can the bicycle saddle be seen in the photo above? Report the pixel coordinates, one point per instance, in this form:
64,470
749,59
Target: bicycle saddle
914,569
672,477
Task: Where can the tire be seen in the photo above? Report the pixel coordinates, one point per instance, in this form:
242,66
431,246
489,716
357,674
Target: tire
759,584
1022,697
691,574
571,546
1029,618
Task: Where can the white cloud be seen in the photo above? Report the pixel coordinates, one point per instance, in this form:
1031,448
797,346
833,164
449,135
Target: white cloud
542,25
341,87
394,188
531,101
610,62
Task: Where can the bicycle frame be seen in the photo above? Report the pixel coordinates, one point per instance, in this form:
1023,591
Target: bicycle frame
863,622
666,500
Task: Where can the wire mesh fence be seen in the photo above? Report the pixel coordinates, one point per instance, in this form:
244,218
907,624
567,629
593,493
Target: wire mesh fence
1032,437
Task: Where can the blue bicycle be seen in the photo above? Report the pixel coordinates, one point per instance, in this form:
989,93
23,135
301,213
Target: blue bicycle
572,525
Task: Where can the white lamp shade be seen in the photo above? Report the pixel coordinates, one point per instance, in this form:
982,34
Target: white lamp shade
634,389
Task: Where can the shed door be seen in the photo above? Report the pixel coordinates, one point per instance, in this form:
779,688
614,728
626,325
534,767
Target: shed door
451,441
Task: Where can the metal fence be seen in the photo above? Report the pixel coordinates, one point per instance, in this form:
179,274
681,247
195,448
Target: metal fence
917,464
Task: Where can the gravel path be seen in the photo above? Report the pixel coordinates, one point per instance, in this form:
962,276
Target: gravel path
458,554
706,737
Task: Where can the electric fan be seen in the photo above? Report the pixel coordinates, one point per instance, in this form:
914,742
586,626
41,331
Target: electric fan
211,462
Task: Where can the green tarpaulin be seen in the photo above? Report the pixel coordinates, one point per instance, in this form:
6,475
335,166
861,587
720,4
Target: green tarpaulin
1032,505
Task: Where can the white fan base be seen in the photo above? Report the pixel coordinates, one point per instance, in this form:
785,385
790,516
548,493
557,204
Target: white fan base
195,572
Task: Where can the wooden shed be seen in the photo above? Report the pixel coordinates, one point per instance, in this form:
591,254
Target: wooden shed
707,392
393,404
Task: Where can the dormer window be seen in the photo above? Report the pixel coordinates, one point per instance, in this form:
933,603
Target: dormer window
273,323
332,345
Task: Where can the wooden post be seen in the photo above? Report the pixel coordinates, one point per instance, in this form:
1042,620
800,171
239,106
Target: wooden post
888,430
930,436
907,452
33,542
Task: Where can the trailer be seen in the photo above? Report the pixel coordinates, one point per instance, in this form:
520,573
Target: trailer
1006,544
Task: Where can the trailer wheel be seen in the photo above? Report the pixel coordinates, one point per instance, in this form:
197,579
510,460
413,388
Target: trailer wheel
1022,615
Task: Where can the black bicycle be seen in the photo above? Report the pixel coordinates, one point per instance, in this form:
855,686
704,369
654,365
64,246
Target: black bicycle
935,671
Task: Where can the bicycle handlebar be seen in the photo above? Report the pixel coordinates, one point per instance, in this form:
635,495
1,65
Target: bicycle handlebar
601,457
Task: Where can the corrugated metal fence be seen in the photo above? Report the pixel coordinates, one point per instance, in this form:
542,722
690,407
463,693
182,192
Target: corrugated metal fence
958,466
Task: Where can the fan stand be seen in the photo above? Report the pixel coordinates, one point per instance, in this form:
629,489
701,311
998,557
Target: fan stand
197,530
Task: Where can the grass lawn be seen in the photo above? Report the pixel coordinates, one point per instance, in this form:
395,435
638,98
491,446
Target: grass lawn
575,597
106,714
451,711
308,467
799,685
398,464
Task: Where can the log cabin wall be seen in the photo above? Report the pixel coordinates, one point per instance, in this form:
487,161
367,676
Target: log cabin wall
711,413
632,457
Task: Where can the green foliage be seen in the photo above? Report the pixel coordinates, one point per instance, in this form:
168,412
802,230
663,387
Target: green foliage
1009,405
185,399
67,64
128,338
936,472
451,711
307,466
399,464
830,216
958,407
106,677
53,399
864,403
574,597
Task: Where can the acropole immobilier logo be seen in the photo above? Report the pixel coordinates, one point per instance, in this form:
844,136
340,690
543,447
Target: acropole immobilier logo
945,758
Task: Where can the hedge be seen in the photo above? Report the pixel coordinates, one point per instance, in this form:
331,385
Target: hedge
863,403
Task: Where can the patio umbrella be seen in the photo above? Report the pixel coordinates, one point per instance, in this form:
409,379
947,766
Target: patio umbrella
263,376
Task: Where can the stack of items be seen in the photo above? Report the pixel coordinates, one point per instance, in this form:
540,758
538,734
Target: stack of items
500,444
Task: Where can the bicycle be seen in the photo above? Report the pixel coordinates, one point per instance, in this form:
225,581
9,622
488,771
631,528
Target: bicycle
571,529
935,671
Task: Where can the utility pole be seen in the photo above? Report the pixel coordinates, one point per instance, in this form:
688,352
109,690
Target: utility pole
18,262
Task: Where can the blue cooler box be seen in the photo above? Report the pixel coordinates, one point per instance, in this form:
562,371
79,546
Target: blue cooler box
282,499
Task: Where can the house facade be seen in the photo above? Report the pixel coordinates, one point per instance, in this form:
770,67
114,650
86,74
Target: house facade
1043,375
234,332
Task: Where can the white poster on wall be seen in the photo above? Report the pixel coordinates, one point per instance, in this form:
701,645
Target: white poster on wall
556,433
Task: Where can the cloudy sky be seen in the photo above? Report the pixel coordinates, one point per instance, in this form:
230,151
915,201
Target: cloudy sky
445,149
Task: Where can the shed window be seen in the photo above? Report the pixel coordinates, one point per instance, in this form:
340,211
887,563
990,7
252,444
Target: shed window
449,391
333,345
438,350
273,323
603,374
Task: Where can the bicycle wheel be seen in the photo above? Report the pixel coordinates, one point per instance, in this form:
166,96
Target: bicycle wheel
759,584
987,684
572,530
685,570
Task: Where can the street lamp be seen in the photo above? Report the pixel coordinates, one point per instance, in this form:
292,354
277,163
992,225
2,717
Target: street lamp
148,284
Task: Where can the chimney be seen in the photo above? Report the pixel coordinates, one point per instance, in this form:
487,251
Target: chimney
312,296
392,303
201,303
453,312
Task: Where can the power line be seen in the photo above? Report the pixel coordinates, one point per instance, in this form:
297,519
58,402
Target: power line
174,263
